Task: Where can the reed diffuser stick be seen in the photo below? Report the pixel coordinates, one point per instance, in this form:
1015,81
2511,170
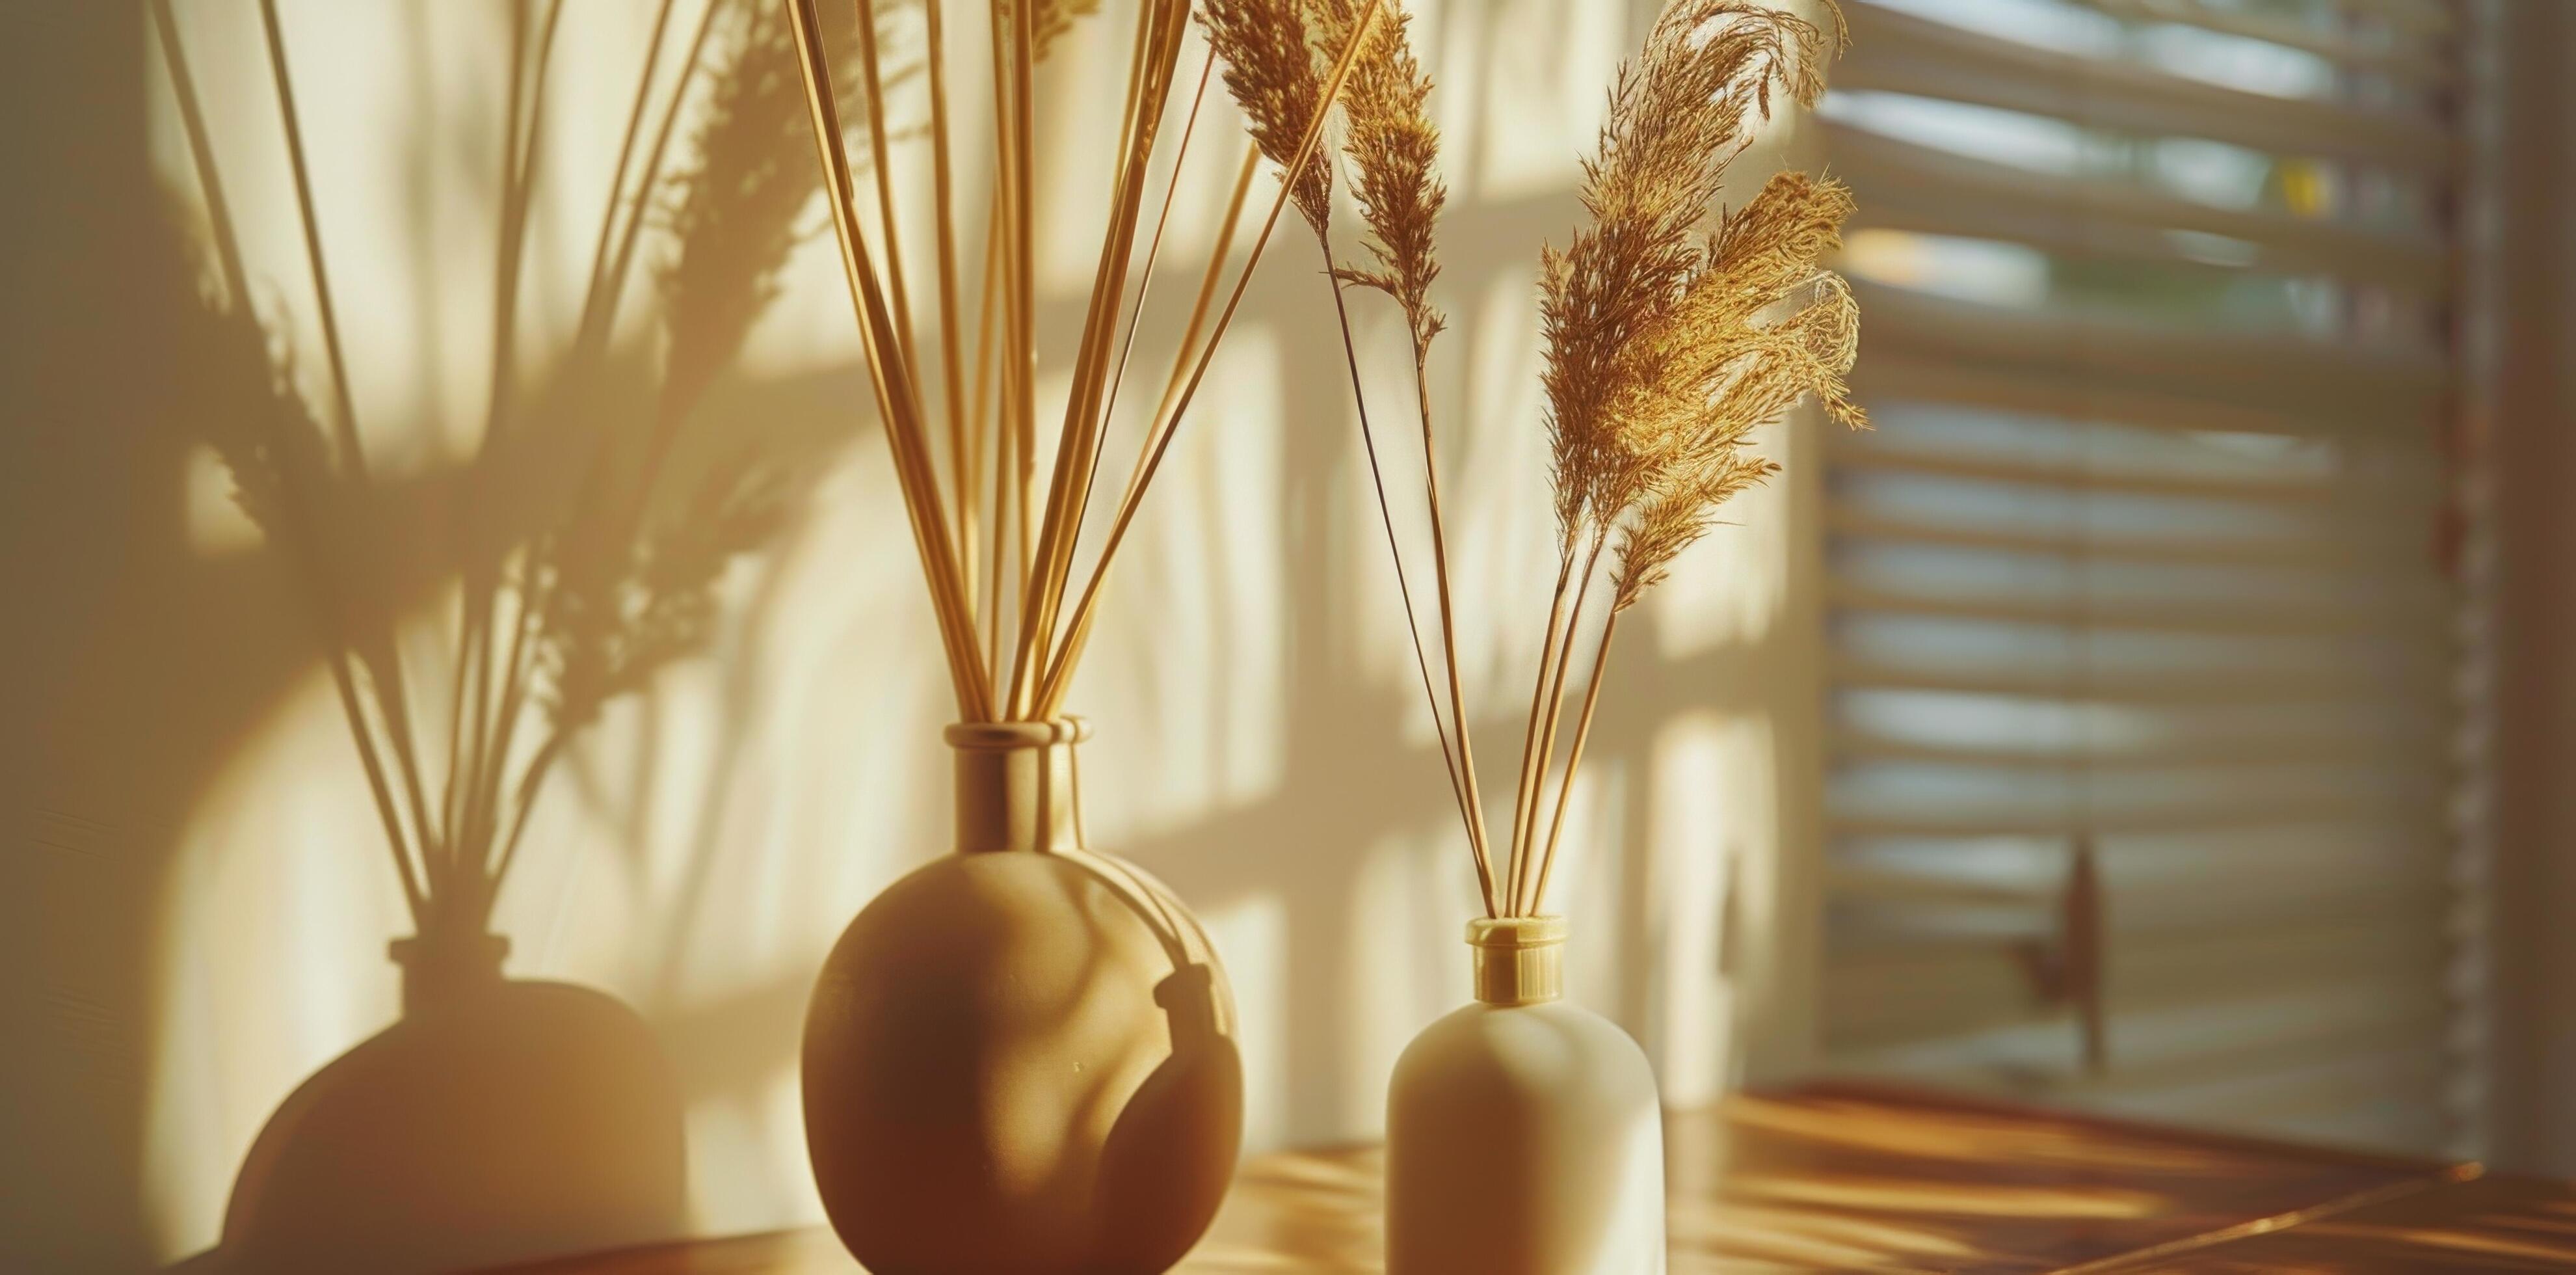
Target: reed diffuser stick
882,156
889,372
1012,657
961,454
1021,150
1135,320
1209,279
985,376
1084,421
1084,611
1184,357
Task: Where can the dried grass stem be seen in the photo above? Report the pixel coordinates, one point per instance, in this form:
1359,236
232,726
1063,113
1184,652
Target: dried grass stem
1664,348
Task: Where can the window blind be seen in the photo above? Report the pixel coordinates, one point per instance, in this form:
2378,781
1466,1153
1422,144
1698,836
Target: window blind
2143,637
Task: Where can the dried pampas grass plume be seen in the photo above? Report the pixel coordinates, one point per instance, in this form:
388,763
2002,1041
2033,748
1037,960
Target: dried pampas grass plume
1270,68
1610,300
1395,151
1660,359
1667,344
1716,370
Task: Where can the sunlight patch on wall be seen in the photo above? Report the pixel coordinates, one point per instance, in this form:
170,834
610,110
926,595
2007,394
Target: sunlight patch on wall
807,329
1405,962
1501,527
1594,889
1537,75
217,527
1075,163
1729,590
1251,937
1184,674
1712,828
273,955
400,108
1372,650
742,1176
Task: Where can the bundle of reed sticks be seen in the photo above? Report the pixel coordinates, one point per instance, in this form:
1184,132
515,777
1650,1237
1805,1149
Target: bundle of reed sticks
1665,350
961,415
568,606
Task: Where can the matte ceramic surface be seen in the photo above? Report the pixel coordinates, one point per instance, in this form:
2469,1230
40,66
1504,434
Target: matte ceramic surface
1019,1058
1523,1132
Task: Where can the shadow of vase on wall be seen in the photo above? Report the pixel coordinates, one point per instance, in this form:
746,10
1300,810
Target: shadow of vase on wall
499,1119
1020,1057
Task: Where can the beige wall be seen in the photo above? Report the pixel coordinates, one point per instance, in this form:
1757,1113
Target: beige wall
196,905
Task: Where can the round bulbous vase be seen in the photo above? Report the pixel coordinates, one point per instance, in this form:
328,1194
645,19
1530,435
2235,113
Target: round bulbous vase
1524,1136
1020,1057
497,1120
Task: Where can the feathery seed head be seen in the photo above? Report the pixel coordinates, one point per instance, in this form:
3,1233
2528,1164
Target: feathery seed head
1271,70
1667,348
1394,150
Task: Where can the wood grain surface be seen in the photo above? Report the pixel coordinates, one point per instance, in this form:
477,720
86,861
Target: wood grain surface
1846,1177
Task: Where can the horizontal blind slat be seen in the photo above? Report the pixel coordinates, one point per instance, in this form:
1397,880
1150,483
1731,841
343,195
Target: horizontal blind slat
2234,754
2408,56
2318,557
2148,1037
1901,53
1868,452
1894,374
2231,817
2251,369
2139,570
2222,618
2429,19
1918,188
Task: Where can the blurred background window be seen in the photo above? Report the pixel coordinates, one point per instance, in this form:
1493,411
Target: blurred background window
2144,634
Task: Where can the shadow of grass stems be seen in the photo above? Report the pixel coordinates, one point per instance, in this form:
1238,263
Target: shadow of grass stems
581,579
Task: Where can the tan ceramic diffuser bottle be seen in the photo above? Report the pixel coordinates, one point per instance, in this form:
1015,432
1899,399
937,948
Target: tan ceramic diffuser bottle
1020,1057
1523,1135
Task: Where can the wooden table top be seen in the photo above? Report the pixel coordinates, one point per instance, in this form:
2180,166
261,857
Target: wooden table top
1844,1177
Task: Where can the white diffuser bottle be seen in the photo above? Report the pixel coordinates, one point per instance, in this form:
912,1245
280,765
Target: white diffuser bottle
1523,1134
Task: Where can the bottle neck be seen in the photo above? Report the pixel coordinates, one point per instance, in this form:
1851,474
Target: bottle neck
1018,785
1520,960
442,967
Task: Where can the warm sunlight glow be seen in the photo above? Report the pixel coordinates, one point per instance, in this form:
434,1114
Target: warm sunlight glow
1261,742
